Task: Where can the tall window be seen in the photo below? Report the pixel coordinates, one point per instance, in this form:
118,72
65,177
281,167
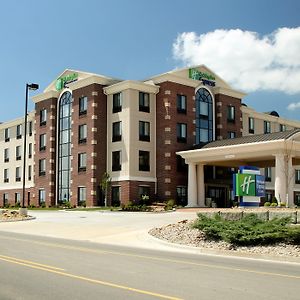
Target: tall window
6,175
17,198
282,127
144,161
181,195
117,102
144,102
18,153
81,195
43,117
29,150
81,162
42,197
116,161
117,131
144,190
251,125
204,116
115,195
30,128
6,155
268,174
5,199
181,132
144,131
43,142
42,167
181,104
82,134
6,134
29,172
230,113
18,174
19,132
267,127
297,176
82,106
64,147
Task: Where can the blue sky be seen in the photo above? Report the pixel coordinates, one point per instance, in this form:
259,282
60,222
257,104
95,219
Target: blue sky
132,39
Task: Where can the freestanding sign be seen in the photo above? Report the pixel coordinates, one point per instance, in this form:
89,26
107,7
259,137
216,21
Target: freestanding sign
249,185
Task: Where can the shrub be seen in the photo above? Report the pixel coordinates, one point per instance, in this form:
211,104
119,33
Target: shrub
248,231
267,203
282,204
274,200
170,204
274,204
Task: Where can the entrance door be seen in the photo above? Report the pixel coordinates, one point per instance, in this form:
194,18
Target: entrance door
218,195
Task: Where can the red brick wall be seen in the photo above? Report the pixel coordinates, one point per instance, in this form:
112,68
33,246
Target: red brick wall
46,182
177,178
11,196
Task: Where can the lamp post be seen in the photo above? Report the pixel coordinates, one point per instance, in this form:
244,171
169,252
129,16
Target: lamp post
33,87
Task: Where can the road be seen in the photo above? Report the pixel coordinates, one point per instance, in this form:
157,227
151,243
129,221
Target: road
34,267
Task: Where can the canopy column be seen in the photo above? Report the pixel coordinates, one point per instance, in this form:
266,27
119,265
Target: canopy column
201,186
192,185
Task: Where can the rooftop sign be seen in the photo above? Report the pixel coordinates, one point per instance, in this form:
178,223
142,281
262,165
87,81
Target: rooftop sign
198,75
62,81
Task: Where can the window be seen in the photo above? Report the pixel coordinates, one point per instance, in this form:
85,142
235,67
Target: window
204,116
81,162
17,198
251,125
115,195
82,134
181,132
5,199
181,195
144,102
181,104
144,190
82,106
29,150
230,114
117,131
231,134
29,172
6,155
81,195
117,102
144,161
19,132
18,153
267,127
181,165
144,131
43,117
116,160
282,127
18,174
268,174
6,175
43,142
42,167
30,128
297,176
42,197
6,135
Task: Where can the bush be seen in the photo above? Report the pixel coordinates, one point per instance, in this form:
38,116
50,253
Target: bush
274,200
282,204
130,206
170,204
274,204
267,203
248,231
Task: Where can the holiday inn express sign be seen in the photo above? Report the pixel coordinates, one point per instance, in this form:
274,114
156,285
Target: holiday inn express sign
249,185
62,81
204,77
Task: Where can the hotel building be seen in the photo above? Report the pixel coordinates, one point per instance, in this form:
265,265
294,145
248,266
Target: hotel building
140,133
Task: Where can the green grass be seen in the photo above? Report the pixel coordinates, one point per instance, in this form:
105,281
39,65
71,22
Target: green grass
249,231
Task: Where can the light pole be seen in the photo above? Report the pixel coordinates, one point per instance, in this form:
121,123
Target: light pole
33,87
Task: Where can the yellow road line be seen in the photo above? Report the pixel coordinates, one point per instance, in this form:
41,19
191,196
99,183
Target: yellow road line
100,282
30,262
87,250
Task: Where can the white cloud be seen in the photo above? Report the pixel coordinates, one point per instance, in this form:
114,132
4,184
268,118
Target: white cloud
244,59
293,106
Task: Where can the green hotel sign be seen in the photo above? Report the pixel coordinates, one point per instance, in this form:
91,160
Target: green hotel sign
62,81
245,185
198,75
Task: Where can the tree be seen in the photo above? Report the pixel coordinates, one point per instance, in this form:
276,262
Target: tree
105,184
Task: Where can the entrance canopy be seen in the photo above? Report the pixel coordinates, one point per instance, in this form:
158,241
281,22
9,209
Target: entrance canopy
279,149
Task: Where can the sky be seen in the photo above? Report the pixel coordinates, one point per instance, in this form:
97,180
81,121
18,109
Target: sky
253,45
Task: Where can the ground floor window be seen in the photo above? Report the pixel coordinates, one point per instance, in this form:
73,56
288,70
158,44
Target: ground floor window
5,199
115,195
297,199
42,197
181,195
17,198
144,193
81,196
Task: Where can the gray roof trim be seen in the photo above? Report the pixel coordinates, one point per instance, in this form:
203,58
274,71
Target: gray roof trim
249,139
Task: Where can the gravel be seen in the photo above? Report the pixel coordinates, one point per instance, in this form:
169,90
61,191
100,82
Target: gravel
182,233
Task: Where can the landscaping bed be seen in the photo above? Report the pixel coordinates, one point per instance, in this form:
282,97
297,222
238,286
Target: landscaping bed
13,216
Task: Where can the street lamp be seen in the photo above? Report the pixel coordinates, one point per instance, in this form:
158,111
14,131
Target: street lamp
32,87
